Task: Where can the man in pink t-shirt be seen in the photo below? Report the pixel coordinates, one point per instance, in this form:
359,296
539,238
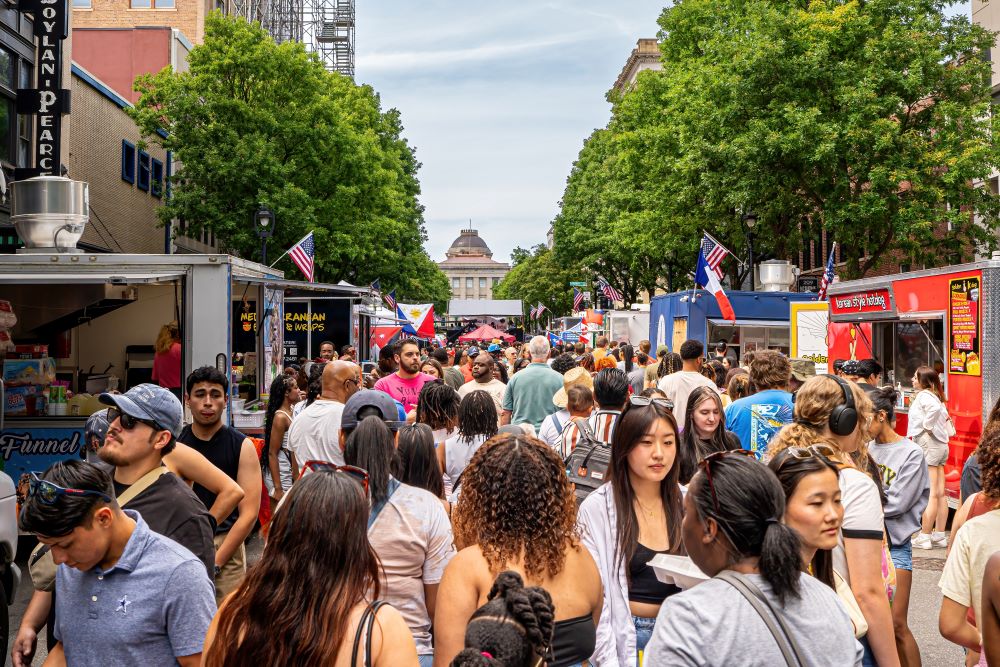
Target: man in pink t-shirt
405,384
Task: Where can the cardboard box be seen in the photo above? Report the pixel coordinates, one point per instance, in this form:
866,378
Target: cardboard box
18,372
24,401
28,352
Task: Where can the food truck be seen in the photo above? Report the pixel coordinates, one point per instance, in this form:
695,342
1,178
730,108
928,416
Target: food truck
75,324
762,320
945,318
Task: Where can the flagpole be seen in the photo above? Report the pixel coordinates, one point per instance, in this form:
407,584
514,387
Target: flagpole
280,257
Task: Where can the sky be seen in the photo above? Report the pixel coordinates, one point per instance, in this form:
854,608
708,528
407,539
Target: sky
497,99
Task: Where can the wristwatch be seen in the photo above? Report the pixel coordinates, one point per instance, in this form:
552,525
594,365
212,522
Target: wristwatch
218,571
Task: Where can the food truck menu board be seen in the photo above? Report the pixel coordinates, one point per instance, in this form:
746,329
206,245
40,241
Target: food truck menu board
963,323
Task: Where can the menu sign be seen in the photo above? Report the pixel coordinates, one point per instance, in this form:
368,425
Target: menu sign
963,322
873,301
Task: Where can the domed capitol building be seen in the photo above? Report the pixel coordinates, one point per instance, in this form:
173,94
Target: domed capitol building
472,272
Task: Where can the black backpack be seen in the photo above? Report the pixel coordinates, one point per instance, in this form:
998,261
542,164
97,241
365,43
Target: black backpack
587,464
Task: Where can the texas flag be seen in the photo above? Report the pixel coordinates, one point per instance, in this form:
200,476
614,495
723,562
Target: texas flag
420,318
706,275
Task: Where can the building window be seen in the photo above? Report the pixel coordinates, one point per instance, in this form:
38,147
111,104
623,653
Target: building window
150,4
482,283
468,284
456,283
128,162
496,281
24,121
143,181
7,64
82,4
157,174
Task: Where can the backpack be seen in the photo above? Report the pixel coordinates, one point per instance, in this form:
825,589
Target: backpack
587,464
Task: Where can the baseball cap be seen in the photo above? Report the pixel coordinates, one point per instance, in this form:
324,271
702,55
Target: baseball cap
493,348
472,351
803,369
574,376
150,402
97,426
370,398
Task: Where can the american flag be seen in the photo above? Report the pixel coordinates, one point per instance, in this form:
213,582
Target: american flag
714,253
577,299
303,254
541,309
533,313
390,300
376,286
607,290
827,276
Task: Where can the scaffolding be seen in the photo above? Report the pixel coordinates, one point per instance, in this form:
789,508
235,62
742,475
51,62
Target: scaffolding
326,27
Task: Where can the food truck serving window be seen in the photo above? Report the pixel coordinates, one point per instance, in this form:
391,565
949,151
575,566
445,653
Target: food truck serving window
903,345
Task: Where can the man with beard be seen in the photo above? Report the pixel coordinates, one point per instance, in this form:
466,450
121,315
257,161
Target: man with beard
405,384
483,380
141,430
234,454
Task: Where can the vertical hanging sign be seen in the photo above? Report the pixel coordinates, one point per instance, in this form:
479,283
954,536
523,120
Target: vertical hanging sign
48,101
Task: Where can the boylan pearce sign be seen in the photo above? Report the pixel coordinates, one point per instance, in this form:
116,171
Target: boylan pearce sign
47,101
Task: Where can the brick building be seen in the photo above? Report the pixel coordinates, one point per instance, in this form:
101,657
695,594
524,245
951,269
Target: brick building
188,16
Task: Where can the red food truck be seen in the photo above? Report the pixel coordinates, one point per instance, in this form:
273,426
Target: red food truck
946,318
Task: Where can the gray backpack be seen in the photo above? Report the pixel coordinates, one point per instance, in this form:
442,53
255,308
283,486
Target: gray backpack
587,464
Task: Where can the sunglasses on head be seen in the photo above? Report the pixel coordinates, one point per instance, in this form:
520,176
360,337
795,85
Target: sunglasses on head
359,474
31,485
643,401
706,465
129,422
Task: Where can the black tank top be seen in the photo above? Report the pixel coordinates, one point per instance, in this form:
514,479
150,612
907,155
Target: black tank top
644,586
223,450
573,641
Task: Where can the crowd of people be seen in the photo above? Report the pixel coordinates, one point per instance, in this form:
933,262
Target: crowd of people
515,506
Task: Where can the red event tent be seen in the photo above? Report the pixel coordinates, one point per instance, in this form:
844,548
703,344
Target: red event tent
485,332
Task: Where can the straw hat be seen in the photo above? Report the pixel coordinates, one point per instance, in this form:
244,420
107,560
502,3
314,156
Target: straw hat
574,376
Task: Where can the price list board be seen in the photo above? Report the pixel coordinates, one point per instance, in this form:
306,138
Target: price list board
964,326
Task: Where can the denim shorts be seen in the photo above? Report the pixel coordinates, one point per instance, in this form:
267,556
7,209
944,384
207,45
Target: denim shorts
902,556
643,633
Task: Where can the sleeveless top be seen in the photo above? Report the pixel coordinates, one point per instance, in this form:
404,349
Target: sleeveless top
284,463
223,451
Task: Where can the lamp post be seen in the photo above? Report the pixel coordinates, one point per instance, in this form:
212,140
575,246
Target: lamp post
750,219
263,220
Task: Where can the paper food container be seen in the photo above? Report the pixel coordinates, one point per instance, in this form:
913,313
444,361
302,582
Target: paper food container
677,570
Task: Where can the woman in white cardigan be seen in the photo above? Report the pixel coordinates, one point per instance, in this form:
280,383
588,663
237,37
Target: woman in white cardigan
629,520
930,427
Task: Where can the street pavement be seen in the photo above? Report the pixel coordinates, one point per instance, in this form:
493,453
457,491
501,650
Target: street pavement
924,605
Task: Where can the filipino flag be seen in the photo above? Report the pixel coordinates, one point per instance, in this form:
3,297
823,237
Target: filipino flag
707,275
303,254
419,318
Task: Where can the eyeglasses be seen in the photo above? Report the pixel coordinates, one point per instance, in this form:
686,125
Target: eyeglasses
706,465
31,485
360,474
643,401
129,422
820,451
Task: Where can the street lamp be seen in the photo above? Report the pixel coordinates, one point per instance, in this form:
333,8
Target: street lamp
263,222
750,219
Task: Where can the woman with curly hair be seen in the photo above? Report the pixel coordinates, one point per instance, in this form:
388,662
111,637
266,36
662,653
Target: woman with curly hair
587,363
860,557
437,406
517,512
670,363
477,423
513,629
287,614
628,521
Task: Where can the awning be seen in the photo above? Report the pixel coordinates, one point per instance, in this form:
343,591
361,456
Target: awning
112,277
485,308
285,283
749,323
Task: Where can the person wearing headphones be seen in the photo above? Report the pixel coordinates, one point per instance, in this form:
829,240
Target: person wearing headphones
835,412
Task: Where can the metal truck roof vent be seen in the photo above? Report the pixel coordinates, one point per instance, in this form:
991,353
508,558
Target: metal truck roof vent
776,275
49,213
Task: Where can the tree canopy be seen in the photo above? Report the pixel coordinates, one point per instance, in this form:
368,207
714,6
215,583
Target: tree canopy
869,121
536,277
254,123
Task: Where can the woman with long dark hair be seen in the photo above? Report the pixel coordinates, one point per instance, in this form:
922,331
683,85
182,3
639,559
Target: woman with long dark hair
287,614
706,431
929,425
627,362
517,512
417,461
733,532
408,528
277,459
477,423
313,371
629,520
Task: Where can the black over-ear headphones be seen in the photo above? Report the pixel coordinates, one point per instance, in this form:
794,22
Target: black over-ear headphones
844,418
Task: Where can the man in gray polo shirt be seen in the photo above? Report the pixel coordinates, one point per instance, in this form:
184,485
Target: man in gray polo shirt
124,594
528,398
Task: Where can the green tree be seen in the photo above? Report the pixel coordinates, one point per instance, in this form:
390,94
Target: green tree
538,277
256,123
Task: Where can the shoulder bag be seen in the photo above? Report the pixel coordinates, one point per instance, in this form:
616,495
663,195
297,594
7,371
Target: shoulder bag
40,564
365,626
850,603
772,618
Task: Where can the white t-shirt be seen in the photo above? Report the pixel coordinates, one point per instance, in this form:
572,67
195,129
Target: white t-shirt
412,537
863,517
315,433
975,542
678,386
458,452
494,388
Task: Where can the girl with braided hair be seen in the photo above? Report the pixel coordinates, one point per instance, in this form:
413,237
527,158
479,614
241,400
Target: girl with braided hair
437,406
477,423
277,459
517,512
513,629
